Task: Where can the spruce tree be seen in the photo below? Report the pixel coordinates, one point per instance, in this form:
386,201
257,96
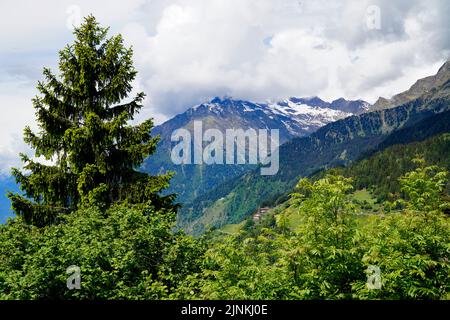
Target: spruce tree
84,117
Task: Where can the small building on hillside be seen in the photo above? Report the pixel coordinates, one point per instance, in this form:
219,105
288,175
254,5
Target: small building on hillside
260,213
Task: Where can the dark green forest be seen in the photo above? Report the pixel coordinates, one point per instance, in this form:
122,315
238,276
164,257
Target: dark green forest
92,208
381,172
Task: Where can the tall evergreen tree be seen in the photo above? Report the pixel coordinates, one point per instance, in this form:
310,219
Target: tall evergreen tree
84,130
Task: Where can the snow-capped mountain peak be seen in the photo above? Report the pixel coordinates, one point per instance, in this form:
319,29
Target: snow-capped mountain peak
293,116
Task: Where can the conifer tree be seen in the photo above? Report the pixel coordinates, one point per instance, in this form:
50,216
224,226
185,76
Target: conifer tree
84,119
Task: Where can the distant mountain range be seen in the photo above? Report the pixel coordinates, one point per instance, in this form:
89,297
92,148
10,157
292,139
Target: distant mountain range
6,184
337,143
421,87
293,117
314,134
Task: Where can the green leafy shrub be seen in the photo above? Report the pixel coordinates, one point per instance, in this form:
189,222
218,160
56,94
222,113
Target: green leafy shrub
123,253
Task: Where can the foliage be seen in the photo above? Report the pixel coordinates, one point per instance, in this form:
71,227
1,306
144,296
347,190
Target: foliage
329,255
126,253
424,187
325,257
412,255
123,253
412,248
85,132
381,172
234,269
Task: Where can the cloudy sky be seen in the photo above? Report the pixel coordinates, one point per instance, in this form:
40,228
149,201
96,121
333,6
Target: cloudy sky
188,51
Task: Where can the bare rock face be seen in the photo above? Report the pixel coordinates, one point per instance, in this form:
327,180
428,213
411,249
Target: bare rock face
421,87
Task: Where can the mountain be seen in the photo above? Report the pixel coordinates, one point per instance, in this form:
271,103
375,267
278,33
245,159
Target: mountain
293,117
351,106
338,143
433,125
421,87
6,184
375,178
380,171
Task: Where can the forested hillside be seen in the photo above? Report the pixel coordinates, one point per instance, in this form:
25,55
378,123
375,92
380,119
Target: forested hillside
6,184
293,117
381,172
336,144
319,245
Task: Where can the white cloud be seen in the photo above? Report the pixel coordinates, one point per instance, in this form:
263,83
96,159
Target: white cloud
266,49
190,50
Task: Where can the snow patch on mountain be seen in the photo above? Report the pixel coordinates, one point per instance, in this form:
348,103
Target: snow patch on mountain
298,116
306,114
294,117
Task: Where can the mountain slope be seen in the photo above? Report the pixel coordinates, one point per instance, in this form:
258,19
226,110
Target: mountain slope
421,87
338,143
431,126
294,117
374,176
381,171
6,184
